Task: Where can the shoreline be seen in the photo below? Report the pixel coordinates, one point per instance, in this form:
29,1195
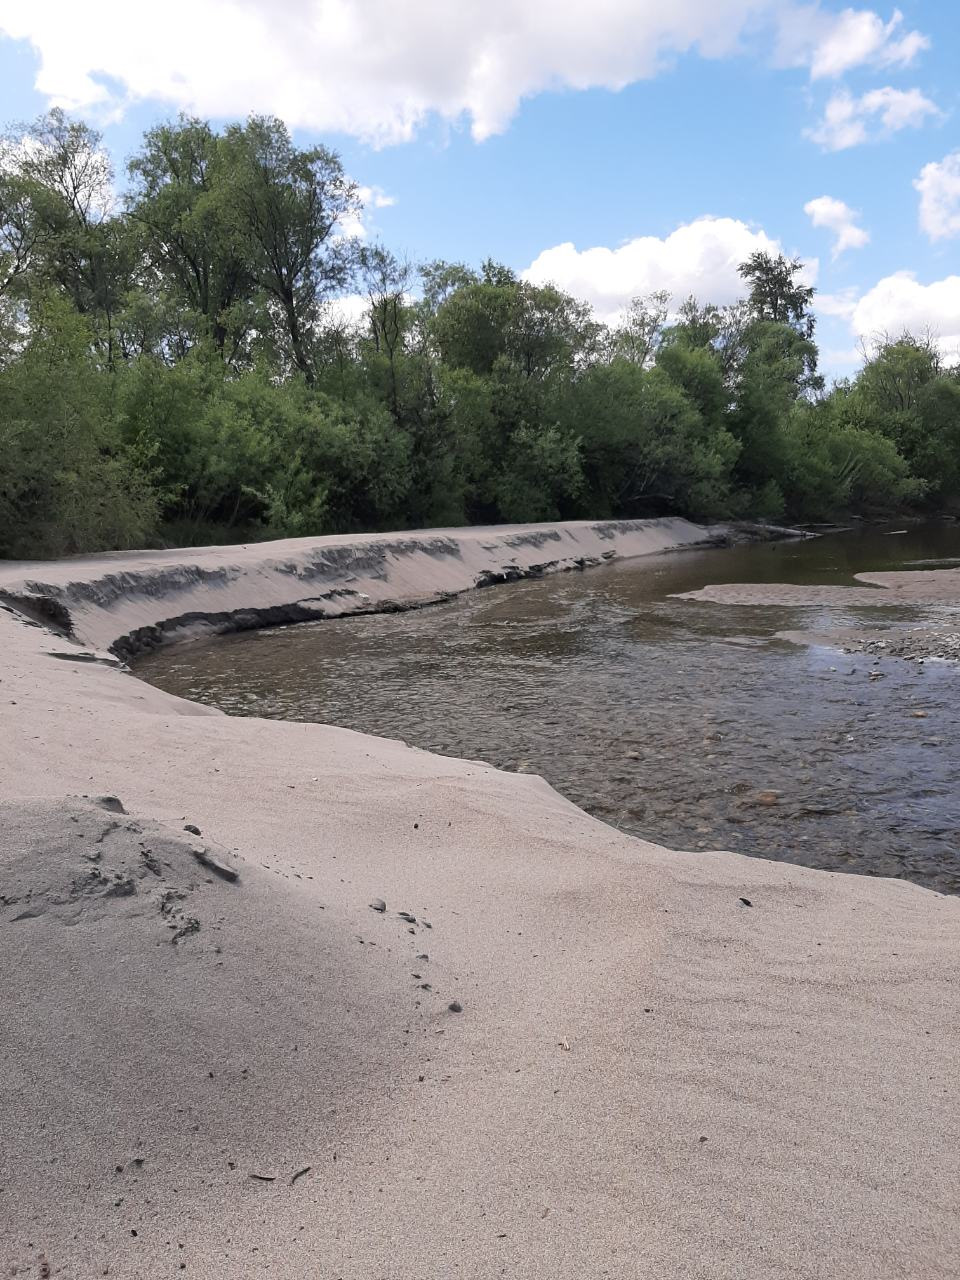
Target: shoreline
659,1058
926,642
132,602
934,593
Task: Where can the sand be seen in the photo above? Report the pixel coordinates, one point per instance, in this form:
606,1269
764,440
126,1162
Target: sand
933,593
882,589
146,598
217,1059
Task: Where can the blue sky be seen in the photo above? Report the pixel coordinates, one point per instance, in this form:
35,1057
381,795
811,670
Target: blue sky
613,148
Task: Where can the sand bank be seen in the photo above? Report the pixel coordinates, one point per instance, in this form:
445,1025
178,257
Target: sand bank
130,601
934,593
897,587
218,1059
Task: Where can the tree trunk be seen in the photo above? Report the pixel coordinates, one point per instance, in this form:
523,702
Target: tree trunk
296,340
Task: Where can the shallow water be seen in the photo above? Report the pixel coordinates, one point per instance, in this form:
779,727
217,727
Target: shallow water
665,717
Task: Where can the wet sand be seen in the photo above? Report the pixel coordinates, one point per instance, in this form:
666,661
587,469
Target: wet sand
627,1061
938,636
913,587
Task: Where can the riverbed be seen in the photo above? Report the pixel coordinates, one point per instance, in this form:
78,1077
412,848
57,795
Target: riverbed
690,723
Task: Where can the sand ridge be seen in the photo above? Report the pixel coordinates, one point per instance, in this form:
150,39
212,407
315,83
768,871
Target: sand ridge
663,1064
130,601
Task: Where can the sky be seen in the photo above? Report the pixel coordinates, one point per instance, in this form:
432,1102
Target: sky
613,148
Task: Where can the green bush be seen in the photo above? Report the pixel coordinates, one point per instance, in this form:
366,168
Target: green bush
68,482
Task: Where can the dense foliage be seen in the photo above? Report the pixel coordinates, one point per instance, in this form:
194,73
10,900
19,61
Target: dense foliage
171,370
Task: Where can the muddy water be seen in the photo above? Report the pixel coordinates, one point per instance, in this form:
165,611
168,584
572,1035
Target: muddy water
672,719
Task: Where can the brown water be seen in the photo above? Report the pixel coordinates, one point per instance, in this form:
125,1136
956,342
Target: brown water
664,717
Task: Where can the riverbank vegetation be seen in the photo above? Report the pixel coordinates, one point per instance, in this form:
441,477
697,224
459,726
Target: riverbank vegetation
174,369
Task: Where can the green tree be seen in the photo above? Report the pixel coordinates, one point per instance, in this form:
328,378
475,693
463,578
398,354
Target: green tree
835,466
905,393
60,221
778,299
172,368
769,383
640,334
776,291
287,202
20,230
180,202
648,449
67,482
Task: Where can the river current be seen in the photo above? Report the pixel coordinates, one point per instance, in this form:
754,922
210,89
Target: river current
686,722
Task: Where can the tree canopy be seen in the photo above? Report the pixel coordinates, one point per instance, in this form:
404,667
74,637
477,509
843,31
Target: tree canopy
173,368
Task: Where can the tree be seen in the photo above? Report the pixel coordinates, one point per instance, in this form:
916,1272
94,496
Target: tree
470,327
720,330
835,465
440,279
20,230
286,205
173,369
894,378
60,222
180,202
67,482
776,293
387,281
769,383
550,334
640,333
647,448
338,468
904,393
537,329
541,474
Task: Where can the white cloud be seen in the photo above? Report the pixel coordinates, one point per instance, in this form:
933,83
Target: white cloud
840,360
380,70
857,37
374,68
825,211
939,187
900,302
358,225
376,197
349,311
842,304
849,121
699,258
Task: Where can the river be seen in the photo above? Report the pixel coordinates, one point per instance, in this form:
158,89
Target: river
686,722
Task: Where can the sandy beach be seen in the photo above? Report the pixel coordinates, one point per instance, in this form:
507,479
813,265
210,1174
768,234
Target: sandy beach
294,1001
